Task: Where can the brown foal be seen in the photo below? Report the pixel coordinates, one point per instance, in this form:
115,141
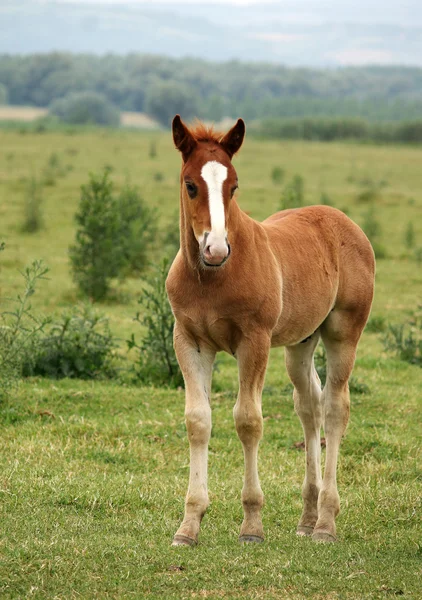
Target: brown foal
241,286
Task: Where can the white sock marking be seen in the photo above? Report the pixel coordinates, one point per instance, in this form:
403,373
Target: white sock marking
214,174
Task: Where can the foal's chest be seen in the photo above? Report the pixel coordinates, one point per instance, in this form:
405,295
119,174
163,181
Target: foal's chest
220,314
221,322
217,330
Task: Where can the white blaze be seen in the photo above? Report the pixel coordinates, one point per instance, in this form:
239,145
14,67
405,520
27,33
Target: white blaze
214,174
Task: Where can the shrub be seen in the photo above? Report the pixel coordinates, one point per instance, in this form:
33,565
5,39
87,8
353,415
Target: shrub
32,218
138,228
293,194
376,324
405,340
96,257
325,199
369,193
53,169
371,226
78,345
19,328
171,237
379,250
409,236
277,175
86,108
157,363
112,236
152,149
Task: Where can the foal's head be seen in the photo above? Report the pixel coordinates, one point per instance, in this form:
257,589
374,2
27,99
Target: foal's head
209,182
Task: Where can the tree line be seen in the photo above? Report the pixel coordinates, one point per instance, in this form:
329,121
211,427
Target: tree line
345,128
161,86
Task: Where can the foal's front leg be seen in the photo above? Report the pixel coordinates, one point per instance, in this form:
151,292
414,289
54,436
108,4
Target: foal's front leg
252,355
196,364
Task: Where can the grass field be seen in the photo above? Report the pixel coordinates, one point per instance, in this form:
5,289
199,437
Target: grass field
93,474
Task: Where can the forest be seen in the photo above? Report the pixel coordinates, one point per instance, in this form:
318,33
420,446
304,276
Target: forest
156,85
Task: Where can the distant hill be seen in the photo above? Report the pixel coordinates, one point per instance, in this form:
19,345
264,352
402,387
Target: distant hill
316,33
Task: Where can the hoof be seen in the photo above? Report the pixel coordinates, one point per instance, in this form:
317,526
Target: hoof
251,539
183,540
323,536
304,530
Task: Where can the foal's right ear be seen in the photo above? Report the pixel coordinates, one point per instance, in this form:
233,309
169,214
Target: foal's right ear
183,139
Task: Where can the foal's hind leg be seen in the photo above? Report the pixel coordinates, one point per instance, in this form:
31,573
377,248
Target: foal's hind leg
340,333
307,399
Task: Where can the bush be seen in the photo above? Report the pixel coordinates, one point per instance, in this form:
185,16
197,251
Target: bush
409,236
86,108
376,324
138,229
19,328
152,149
293,194
171,237
112,236
157,363
277,175
369,193
33,220
325,199
371,226
53,170
96,256
78,345
405,340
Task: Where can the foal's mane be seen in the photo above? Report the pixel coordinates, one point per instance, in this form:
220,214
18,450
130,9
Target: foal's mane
205,133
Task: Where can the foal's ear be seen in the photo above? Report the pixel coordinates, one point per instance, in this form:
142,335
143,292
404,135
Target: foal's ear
233,139
183,139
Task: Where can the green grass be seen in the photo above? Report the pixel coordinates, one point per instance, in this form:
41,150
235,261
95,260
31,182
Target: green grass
93,475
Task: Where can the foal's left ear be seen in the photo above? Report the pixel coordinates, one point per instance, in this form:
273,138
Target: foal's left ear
233,139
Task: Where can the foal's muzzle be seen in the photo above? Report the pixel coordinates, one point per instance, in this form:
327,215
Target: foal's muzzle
214,252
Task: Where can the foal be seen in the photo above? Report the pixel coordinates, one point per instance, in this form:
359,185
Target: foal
242,286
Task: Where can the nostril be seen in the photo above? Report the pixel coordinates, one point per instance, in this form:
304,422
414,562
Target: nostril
208,250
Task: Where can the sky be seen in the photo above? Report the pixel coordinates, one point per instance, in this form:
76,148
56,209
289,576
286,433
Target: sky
291,32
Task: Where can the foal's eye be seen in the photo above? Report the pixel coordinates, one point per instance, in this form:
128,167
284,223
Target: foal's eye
232,191
192,189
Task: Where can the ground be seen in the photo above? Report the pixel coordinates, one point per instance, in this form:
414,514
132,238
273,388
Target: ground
93,475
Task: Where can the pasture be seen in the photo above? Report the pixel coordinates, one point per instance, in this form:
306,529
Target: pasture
93,474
